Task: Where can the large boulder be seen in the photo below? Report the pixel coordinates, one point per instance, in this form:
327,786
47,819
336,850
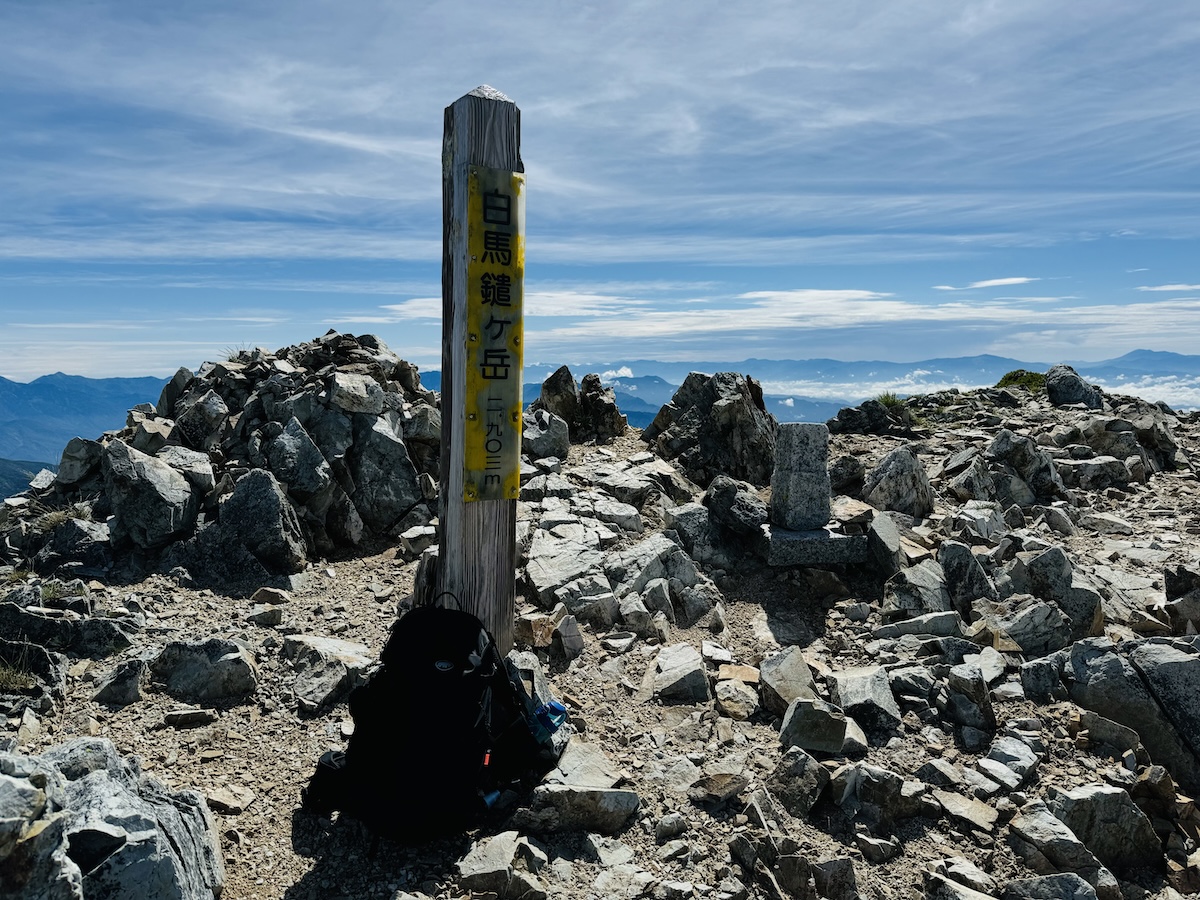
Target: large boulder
45,683
797,781
917,590
560,395
1100,678
67,631
736,506
965,579
1030,469
386,486
865,694
544,435
76,541
172,391
717,424
81,821
297,463
327,669
208,671
899,482
80,463
872,417
679,675
1110,825
553,562
598,418
193,465
1172,672
813,725
1036,626
1065,387
785,677
202,424
258,517
152,503
355,393
1050,575
1043,840
565,807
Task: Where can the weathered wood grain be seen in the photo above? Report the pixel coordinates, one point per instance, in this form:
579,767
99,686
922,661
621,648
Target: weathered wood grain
478,540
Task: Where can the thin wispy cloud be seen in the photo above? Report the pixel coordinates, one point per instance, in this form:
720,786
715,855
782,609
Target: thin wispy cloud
803,323
989,283
1173,288
416,308
1039,299
83,326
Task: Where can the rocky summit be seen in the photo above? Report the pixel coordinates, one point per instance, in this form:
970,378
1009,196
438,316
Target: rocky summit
939,647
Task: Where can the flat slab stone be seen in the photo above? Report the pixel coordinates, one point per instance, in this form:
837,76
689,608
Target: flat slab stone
938,624
561,807
974,813
746,674
584,765
815,548
1013,754
555,561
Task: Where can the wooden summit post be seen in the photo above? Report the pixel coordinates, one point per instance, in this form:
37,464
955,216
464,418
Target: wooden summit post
483,268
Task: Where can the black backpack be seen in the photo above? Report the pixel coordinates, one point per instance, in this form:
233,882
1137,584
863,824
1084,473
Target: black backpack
443,731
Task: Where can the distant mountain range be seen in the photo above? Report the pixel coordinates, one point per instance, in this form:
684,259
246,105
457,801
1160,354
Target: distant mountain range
37,418
813,390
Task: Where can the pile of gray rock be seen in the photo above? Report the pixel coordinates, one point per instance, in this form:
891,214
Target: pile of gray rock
987,612
243,470
81,821
589,410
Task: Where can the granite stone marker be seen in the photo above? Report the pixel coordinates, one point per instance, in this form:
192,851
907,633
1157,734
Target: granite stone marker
800,483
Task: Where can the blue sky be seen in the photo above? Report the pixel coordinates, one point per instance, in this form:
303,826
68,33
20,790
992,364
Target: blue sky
706,181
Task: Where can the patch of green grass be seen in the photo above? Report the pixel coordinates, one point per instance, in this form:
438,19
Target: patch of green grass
1031,381
53,590
47,522
52,518
16,576
890,400
15,674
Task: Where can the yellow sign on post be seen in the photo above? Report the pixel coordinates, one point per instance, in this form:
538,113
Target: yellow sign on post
495,334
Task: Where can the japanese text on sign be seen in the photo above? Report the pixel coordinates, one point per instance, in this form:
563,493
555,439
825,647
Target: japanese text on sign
495,331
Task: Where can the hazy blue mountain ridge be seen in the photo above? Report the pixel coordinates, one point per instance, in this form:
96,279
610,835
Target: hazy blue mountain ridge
37,418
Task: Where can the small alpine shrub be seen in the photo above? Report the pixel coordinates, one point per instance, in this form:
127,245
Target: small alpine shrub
1031,381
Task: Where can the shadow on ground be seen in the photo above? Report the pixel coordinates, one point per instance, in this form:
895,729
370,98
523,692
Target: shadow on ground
350,862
